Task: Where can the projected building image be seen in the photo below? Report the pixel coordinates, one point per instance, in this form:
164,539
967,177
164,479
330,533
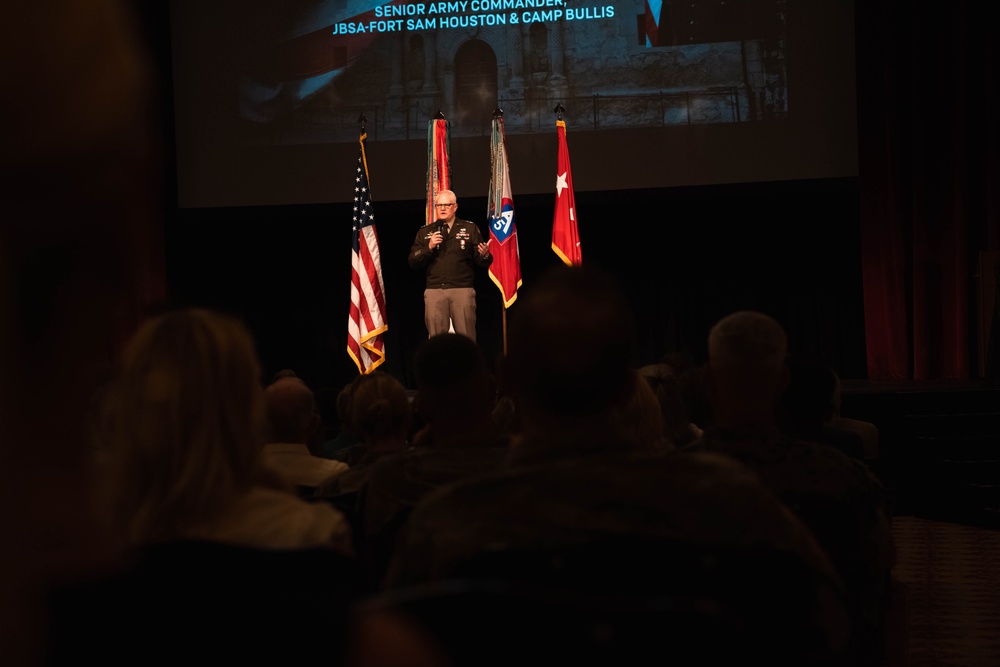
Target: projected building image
307,71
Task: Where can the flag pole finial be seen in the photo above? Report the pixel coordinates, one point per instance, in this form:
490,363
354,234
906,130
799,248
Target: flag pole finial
439,115
363,120
559,111
498,113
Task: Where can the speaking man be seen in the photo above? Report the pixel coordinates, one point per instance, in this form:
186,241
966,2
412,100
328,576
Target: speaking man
449,249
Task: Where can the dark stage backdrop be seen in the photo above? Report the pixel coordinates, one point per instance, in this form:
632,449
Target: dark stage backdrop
688,256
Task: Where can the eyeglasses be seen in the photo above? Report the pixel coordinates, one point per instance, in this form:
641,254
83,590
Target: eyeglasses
444,205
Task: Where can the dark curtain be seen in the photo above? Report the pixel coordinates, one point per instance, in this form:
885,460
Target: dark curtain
928,173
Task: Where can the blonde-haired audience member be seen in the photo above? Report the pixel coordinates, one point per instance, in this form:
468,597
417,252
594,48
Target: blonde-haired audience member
183,428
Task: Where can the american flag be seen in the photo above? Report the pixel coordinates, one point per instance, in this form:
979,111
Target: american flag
366,325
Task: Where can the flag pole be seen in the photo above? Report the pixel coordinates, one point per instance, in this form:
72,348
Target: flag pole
505,269
366,318
498,113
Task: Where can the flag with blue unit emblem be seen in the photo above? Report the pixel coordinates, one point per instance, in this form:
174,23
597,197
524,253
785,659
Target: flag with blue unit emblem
505,271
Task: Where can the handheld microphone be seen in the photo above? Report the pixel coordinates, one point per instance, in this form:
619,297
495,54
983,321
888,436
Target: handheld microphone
440,230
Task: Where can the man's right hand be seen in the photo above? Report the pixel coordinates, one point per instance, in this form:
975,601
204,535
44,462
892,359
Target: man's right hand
436,240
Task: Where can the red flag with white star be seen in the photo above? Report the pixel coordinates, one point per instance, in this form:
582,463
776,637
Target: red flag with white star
565,235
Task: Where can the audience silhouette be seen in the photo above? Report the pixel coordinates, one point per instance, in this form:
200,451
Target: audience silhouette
836,495
807,406
587,523
664,378
218,547
866,430
569,367
591,518
344,435
455,397
381,413
183,426
292,421
590,482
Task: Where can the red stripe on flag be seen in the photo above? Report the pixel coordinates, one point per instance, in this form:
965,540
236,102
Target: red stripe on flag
366,319
438,167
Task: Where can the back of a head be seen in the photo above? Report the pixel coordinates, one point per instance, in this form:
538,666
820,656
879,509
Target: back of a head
571,343
185,421
746,353
809,400
674,414
380,408
291,410
451,370
284,373
639,418
343,407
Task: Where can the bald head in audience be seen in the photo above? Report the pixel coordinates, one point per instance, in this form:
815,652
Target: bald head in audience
836,495
747,371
